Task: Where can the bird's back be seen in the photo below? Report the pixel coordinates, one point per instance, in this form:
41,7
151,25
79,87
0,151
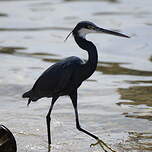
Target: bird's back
57,80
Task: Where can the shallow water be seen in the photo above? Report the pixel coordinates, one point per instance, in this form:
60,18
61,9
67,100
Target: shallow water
115,103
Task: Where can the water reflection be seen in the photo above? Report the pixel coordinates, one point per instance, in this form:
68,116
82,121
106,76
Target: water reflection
112,68
112,1
36,29
42,54
121,13
109,68
139,81
52,60
15,51
140,115
3,15
35,19
138,141
117,69
10,50
137,96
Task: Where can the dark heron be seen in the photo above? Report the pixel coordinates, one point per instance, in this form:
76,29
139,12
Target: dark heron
65,77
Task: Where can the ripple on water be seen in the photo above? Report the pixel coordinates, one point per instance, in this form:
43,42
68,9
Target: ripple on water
151,58
17,51
112,1
3,15
139,96
110,68
98,111
36,29
117,69
137,141
121,13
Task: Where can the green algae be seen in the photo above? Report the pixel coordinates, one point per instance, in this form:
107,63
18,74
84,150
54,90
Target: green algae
139,81
10,50
137,141
137,95
3,15
109,68
117,69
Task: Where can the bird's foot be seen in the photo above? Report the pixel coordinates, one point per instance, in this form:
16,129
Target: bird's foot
103,145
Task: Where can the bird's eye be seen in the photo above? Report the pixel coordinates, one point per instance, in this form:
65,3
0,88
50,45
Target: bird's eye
90,27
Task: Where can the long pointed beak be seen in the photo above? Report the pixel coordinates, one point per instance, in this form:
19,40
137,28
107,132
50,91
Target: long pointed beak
101,30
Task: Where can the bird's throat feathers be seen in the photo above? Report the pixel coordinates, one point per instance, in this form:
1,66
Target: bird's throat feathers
83,32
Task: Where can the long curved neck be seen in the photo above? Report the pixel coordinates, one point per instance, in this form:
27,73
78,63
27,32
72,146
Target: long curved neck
90,66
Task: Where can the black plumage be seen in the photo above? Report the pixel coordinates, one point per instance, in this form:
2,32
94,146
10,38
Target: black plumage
65,77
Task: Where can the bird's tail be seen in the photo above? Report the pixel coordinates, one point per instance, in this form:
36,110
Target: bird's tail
32,97
29,95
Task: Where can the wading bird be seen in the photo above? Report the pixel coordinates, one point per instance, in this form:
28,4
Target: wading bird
65,77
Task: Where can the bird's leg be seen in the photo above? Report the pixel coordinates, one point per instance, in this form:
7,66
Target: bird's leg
48,119
73,97
102,144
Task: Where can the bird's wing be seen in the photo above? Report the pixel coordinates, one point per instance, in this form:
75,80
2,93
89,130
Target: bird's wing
56,78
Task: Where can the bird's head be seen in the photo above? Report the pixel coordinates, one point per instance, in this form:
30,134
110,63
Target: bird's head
85,27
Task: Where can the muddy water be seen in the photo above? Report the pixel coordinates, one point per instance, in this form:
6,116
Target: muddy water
115,103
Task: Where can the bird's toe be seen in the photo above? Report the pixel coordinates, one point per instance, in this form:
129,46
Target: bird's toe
103,145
